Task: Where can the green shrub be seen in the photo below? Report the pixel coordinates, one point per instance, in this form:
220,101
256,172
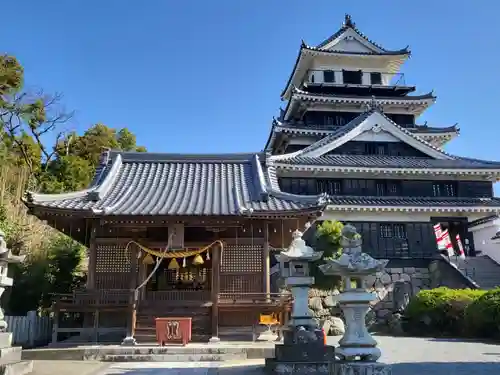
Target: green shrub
439,311
483,315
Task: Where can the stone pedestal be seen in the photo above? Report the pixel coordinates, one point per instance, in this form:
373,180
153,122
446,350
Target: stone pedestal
301,359
357,342
10,357
362,368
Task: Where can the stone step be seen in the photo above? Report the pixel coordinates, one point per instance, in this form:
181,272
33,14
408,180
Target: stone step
16,368
10,354
174,357
151,338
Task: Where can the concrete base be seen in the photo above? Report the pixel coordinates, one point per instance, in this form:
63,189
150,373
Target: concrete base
358,353
300,368
129,341
222,351
363,368
16,368
214,340
268,336
307,358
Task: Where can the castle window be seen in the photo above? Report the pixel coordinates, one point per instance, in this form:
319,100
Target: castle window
444,189
393,231
381,189
376,78
374,148
329,76
352,77
386,230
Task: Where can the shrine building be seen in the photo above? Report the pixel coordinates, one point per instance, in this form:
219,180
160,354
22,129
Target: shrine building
347,146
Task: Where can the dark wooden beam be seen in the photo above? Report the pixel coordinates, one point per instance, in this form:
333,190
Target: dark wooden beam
266,262
216,260
92,256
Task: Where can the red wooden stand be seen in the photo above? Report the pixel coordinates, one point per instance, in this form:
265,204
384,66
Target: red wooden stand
173,330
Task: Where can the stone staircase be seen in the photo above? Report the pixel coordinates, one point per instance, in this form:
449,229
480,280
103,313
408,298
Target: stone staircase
145,331
483,270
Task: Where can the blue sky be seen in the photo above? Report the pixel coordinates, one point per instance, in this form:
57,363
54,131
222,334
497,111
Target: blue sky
205,76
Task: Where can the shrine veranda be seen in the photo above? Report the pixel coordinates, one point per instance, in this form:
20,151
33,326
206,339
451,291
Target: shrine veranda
346,146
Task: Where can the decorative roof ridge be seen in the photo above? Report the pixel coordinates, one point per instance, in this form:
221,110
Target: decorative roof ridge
418,129
238,202
373,108
483,220
420,198
350,24
31,197
399,52
101,188
417,138
446,129
345,129
259,179
349,156
95,192
428,95
290,77
492,162
270,173
319,199
128,157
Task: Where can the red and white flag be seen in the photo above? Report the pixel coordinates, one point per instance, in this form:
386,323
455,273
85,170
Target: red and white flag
445,242
461,252
438,230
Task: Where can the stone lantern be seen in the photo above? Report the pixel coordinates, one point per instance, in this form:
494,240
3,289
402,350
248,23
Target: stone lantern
303,350
13,363
357,348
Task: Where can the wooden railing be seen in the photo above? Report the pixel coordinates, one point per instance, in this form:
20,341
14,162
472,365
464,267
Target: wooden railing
178,295
255,298
94,298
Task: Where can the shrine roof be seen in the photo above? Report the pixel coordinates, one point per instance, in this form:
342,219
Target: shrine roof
416,203
384,161
130,183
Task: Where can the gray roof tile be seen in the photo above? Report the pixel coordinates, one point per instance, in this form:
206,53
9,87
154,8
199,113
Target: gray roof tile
382,161
414,201
180,185
483,220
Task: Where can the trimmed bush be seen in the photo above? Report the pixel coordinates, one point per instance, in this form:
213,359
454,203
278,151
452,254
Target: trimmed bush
483,315
439,311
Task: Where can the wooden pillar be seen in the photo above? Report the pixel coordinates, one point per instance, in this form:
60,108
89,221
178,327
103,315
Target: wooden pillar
133,266
55,325
142,277
266,262
133,294
92,257
216,260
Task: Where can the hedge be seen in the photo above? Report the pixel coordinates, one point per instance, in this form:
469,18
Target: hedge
483,315
441,311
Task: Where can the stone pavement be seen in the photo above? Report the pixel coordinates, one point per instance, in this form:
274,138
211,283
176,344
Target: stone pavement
408,356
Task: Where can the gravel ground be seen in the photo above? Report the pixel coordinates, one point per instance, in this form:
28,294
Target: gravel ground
408,356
